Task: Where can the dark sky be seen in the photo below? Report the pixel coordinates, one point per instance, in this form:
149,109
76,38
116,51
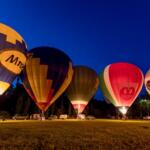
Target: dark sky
92,32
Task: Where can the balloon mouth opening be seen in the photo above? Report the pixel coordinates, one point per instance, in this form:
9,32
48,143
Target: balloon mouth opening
79,105
123,110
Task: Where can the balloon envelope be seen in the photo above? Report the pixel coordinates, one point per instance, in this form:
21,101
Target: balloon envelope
12,56
82,88
121,83
48,72
147,81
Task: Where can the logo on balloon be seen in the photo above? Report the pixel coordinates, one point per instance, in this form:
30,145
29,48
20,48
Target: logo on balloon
13,60
127,92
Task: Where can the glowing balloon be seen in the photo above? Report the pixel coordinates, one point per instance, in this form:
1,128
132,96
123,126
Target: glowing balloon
48,73
82,88
12,56
147,81
121,83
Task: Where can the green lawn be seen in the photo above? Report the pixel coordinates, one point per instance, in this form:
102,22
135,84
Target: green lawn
75,135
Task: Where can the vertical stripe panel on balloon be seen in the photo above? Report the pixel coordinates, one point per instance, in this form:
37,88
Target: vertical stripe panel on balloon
86,84
87,81
104,89
92,82
65,84
59,77
79,86
49,90
43,82
26,84
72,89
109,87
30,77
36,76
74,82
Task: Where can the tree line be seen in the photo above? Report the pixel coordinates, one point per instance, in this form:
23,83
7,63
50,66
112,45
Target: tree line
17,101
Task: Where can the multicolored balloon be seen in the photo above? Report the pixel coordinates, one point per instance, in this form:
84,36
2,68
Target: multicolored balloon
121,83
47,74
12,56
82,88
147,81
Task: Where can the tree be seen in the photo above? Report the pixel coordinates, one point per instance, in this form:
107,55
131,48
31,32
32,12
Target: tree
145,107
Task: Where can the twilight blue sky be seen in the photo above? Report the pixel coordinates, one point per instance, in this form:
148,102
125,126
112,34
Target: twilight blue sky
92,32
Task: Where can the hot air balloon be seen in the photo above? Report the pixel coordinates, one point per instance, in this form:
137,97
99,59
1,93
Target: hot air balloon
147,81
121,83
82,88
47,74
12,56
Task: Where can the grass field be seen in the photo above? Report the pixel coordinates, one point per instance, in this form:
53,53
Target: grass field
75,135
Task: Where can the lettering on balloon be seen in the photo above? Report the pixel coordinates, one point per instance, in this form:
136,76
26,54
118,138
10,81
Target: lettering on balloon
16,61
13,60
127,92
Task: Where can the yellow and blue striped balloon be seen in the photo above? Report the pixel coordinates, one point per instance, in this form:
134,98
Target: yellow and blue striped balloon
12,56
47,74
